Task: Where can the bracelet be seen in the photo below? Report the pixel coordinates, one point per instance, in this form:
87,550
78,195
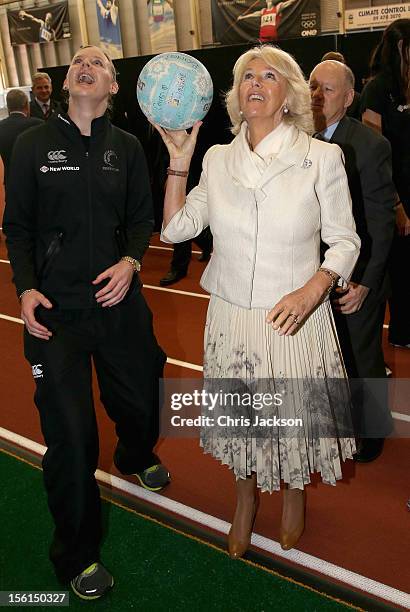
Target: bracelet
24,292
183,173
136,266
333,277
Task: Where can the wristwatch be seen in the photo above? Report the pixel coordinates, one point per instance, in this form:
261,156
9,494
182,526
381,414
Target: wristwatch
136,266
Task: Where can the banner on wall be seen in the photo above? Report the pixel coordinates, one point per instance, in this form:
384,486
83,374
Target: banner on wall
238,21
162,25
375,17
39,24
109,27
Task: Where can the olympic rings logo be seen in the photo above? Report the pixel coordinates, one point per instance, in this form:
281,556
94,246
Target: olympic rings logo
308,24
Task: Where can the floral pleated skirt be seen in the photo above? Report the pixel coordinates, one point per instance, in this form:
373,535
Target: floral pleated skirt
306,368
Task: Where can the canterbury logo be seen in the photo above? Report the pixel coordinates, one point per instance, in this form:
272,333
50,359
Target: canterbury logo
37,370
57,156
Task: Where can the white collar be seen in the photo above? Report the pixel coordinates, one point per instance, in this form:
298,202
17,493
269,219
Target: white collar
281,148
42,104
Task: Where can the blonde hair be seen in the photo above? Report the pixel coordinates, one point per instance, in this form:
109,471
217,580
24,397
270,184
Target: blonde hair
297,95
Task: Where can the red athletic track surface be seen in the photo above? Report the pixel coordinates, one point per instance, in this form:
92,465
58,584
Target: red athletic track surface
361,524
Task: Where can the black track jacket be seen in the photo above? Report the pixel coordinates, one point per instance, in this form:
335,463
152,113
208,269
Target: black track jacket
72,214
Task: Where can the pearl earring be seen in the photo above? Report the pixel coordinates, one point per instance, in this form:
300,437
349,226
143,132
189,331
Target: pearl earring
241,113
285,110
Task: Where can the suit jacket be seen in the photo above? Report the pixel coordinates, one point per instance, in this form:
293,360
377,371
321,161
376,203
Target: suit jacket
369,171
267,227
10,128
37,111
354,109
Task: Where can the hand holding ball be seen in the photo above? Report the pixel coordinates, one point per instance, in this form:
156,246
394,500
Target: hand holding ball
174,90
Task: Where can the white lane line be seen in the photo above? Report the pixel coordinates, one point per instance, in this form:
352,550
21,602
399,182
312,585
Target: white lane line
12,319
185,364
179,291
310,562
152,246
401,417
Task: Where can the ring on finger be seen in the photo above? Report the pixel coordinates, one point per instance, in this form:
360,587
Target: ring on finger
295,318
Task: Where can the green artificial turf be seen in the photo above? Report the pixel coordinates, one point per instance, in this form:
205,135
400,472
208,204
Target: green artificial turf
155,568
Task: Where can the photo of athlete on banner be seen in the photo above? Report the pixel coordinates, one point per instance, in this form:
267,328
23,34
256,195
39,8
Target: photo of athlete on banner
162,25
264,21
109,28
46,33
39,24
270,18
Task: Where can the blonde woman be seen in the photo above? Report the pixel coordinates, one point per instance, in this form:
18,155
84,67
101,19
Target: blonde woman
269,197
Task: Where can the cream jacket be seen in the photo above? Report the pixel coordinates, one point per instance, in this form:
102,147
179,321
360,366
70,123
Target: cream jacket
267,216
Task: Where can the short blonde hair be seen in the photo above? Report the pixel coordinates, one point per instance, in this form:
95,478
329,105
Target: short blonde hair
298,92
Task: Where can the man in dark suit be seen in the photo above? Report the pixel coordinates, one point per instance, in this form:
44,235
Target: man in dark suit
42,105
17,122
354,109
359,310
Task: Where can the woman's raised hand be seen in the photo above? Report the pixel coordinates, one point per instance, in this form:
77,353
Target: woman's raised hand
179,143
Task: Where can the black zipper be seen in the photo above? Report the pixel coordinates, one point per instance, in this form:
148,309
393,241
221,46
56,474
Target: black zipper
52,251
90,231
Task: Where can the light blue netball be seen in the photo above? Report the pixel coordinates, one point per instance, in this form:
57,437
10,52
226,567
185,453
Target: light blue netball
174,90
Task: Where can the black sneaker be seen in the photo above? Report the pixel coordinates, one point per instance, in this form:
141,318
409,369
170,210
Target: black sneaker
93,582
154,478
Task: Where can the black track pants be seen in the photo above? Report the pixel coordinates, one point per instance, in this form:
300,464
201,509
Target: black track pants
360,336
128,362
399,302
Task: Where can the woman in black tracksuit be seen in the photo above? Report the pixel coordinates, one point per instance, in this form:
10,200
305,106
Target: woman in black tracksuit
77,227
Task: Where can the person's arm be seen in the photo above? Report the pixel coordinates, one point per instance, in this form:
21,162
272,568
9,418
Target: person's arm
20,214
23,14
373,104
114,13
248,15
338,232
139,221
372,120
102,8
20,222
379,197
284,5
338,229
180,146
